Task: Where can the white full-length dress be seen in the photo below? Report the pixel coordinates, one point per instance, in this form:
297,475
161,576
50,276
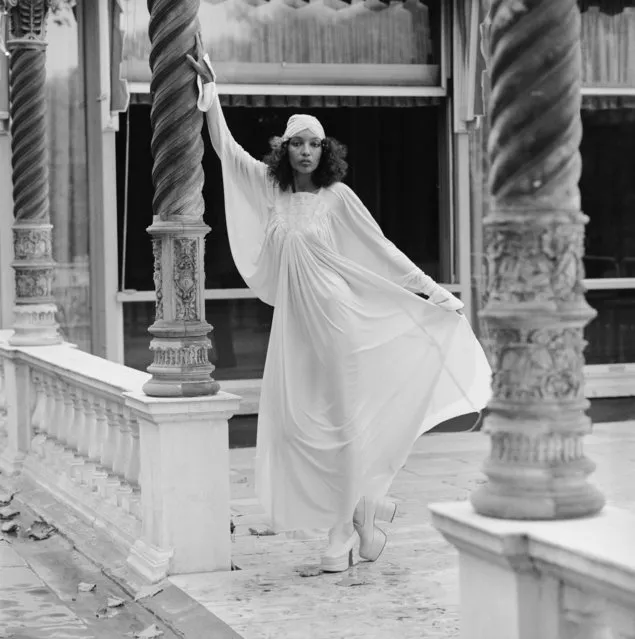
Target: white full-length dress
358,366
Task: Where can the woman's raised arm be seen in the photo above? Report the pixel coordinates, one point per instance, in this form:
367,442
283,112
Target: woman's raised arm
246,170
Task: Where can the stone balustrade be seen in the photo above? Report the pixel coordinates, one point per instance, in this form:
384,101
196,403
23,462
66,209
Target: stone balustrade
571,579
152,472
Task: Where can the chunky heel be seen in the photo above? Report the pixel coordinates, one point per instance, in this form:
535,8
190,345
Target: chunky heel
339,562
372,549
386,510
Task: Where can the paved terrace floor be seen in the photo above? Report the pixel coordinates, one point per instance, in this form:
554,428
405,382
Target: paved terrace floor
412,590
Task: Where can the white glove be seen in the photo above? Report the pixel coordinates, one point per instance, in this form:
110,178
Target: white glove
437,294
207,91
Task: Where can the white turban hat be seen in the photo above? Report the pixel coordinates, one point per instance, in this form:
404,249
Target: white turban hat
301,122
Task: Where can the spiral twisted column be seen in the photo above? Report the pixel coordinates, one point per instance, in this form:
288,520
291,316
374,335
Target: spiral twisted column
181,365
536,311
34,312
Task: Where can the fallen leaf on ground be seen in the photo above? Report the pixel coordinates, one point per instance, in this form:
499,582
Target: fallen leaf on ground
310,571
10,527
149,632
352,581
40,530
148,591
6,498
82,586
8,513
106,612
114,602
261,532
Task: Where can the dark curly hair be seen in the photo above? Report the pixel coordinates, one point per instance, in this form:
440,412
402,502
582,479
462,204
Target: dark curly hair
332,167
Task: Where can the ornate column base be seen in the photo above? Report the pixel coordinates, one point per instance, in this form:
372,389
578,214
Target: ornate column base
553,498
181,367
35,325
537,468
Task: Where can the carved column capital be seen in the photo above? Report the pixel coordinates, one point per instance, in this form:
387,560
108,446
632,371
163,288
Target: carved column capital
27,21
535,310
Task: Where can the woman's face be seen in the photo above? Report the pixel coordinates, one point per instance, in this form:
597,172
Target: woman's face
305,151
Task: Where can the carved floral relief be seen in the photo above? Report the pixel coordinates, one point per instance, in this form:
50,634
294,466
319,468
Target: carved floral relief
534,264
186,279
535,364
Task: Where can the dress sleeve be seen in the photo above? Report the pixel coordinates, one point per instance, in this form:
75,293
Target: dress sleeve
361,239
248,191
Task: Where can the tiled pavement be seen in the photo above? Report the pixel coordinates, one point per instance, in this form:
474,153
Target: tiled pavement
412,591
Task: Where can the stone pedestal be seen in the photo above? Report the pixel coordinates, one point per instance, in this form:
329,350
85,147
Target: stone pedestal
34,313
184,478
535,310
542,580
181,366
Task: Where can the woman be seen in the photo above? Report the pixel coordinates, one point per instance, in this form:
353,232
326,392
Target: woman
358,366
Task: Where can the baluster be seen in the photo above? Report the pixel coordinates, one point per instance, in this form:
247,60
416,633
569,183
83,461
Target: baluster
3,408
86,437
134,459
133,471
58,408
121,450
54,446
39,413
97,448
583,615
621,620
48,411
3,395
48,415
124,449
124,459
76,428
66,429
111,484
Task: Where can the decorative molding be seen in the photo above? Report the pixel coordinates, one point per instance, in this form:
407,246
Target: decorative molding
31,283
182,356
27,19
158,279
32,242
186,279
525,448
527,261
536,364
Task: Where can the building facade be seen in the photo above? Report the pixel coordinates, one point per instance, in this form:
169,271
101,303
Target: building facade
401,83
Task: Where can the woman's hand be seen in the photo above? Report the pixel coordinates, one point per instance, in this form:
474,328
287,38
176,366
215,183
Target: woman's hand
199,65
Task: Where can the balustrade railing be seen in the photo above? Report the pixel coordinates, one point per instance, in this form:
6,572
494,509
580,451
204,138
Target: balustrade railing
72,424
84,440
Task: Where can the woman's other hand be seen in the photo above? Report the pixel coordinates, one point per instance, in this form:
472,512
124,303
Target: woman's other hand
201,65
